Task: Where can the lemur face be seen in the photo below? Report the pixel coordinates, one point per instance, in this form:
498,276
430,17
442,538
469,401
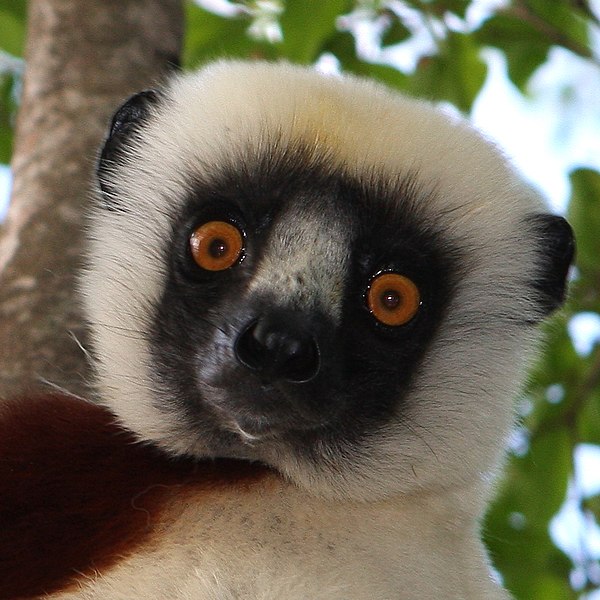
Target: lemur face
277,318
317,275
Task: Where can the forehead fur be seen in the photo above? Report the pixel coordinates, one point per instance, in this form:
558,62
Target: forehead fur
230,110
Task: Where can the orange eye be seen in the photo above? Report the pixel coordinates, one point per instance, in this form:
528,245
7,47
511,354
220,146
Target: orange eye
216,245
393,299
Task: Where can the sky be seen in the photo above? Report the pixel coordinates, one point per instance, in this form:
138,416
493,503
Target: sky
5,182
544,134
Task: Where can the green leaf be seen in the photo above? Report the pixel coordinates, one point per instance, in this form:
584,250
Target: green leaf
588,419
559,363
560,23
209,36
439,8
12,27
593,505
7,110
395,32
525,47
307,25
547,467
389,75
584,216
516,526
456,74
18,8
526,30
458,7
342,46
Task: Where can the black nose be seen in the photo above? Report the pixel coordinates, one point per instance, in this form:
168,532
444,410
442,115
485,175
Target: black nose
279,347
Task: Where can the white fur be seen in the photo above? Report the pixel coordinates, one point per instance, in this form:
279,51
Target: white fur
311,248
402,511
275,542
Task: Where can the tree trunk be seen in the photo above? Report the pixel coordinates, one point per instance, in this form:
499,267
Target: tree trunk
82,59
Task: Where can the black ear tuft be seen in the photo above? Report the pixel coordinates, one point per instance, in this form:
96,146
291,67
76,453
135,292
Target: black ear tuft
556,247
128,117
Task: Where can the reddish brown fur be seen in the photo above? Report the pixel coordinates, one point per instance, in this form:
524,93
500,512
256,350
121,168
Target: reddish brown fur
76,491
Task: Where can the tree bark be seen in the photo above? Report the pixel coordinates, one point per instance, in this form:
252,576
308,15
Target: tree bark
83,57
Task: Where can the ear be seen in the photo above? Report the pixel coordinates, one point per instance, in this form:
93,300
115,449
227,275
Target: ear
556,247
129,117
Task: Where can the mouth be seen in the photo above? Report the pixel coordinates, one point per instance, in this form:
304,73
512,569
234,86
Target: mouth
259,413
251,432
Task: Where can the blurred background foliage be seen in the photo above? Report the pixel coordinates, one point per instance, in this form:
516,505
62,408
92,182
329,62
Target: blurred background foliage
553,446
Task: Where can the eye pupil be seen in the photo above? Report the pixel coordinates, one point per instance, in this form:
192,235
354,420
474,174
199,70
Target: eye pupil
390,299
218,248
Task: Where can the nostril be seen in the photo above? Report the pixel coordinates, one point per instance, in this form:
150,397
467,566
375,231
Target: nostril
248,350
303,362
278,351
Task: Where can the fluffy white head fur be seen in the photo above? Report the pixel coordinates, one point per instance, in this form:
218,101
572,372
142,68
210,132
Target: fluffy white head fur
452,425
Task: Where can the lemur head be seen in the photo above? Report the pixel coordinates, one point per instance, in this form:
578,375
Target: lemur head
315,273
